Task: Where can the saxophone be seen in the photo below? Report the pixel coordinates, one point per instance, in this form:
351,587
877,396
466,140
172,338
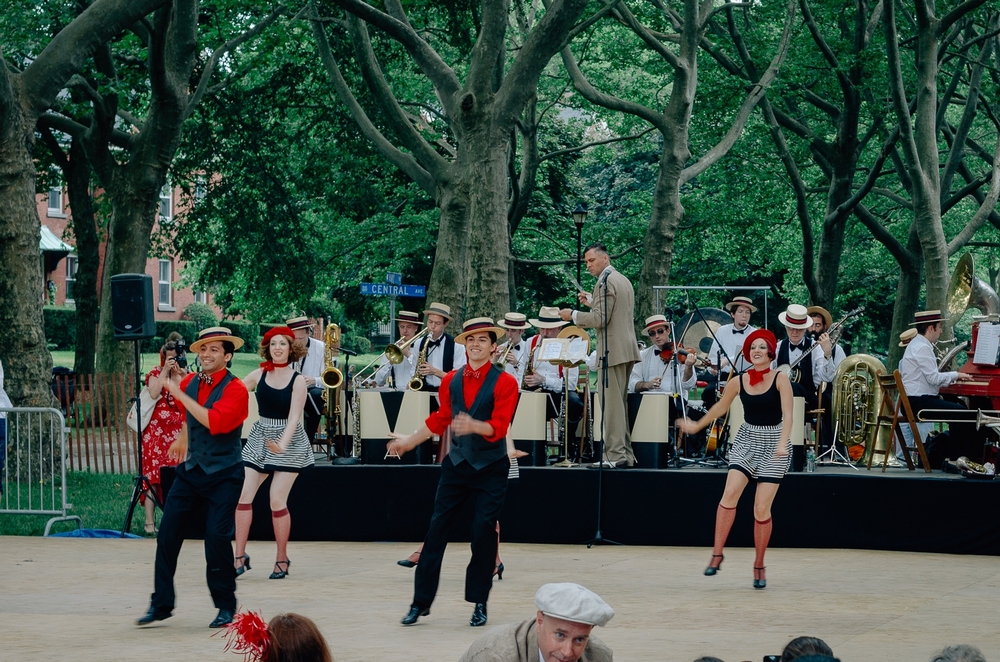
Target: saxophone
417,382
529,370
332,380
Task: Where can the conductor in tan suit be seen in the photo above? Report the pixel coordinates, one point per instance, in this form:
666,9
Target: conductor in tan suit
623,351
559,632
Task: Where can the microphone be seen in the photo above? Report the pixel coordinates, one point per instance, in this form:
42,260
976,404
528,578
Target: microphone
604,278
348,352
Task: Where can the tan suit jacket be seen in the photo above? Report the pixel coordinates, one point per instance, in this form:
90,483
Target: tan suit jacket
518,642
622,345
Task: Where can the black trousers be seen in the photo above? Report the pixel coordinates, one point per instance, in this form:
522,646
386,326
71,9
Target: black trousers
192,491
486,489
553,405
313,411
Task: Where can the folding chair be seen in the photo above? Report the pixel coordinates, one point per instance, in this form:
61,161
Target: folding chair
896,406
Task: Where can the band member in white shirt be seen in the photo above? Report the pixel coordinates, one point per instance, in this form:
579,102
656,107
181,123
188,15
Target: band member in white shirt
443,354
654,373
549,377
806,377
923,383
825,368
727,345
311,367
517,358
398,376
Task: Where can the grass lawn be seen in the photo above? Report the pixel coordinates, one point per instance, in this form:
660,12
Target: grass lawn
100,500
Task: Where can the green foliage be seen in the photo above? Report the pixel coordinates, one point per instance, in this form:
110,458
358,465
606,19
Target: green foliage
201,314
60,326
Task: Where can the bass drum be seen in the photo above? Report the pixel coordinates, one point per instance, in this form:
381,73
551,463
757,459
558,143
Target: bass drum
694,332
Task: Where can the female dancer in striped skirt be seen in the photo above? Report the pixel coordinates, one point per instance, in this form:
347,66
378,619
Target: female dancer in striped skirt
759,451
277,443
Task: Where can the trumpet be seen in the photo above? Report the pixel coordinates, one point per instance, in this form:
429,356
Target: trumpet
501,361
394,352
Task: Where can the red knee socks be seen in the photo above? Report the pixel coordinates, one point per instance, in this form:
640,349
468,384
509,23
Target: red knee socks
761,536
244,517
282,523
723,523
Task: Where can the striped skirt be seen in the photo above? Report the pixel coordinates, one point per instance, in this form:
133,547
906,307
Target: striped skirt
753,450
257,455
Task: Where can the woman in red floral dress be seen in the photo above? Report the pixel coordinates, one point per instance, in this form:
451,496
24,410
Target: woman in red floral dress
166,421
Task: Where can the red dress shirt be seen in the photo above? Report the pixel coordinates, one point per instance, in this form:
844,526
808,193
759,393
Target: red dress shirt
229,411
504,401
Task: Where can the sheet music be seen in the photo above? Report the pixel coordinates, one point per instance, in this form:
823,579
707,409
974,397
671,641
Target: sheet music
987,344
551,350
578,350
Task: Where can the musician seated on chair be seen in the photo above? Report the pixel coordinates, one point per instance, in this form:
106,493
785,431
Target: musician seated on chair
923,382
399,376
548,377
514,352
726,347
655,370
825,368
799,350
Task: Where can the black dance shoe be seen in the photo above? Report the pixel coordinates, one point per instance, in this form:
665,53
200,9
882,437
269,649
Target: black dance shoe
712,569
243,567
278,572
478,615
225,617
415,613
761,581
498,570
155,614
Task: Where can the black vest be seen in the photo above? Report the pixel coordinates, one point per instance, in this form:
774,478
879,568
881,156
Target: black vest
805,366
211,452
473,448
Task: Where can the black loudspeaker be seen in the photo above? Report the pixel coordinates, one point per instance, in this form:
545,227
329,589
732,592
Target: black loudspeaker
132,307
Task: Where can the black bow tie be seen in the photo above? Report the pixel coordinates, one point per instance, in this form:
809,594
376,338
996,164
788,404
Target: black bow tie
517,347
205,378
434,343
801,346
740,331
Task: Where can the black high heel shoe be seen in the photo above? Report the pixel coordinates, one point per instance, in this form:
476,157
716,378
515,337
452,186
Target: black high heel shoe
498,571
240,569
279,573
759,582
712,569
409,561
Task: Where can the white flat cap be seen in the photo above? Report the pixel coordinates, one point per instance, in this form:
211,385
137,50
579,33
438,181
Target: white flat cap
572,602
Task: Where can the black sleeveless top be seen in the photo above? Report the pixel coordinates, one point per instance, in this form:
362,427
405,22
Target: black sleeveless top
272,402
763,409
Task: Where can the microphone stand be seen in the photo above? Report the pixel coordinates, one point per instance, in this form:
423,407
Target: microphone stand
720,444
599,538
677,398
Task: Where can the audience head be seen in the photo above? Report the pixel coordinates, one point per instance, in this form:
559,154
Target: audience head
802,647
567,613
286,638
960,653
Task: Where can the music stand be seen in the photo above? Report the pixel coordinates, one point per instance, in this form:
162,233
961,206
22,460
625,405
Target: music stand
836,457
141,482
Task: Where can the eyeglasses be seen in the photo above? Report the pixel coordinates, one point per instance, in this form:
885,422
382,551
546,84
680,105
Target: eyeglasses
656,332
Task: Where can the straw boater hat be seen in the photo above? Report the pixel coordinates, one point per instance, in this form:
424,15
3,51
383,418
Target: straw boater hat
477,325
906,336
741,301
548,318
514,322
572,602
652,322
822,312
215,333
411,317
927,317
795,317
439,309
298,323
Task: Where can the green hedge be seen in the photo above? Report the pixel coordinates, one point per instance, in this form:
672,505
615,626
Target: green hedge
60,327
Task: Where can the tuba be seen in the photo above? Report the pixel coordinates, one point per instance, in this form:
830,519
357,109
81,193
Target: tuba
857,400
966,291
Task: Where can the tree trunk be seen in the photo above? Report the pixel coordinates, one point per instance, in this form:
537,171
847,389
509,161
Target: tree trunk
907,300
132,218
450,274
24,353
77,173
831,245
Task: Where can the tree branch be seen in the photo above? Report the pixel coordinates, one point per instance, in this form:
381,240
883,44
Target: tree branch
579,148
847,206
71,127
882,235
957,13
401,160
591,94
846,87
542,263
984,210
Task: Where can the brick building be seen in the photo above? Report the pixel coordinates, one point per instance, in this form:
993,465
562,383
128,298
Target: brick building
59,262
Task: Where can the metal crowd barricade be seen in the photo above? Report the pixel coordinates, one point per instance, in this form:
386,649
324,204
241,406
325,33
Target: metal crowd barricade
34,474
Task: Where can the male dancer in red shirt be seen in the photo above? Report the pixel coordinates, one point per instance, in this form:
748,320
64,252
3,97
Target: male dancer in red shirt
210,474
478,402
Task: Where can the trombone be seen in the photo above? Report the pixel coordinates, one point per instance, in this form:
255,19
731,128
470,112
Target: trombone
393,352
988,417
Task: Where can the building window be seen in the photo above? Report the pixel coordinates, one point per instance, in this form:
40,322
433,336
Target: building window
166,203
200,297
71,266
166,279
56,201
200,189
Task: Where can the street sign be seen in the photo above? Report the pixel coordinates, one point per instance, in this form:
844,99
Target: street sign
394,279
386,290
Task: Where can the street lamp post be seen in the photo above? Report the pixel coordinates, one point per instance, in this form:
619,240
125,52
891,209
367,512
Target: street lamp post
579,217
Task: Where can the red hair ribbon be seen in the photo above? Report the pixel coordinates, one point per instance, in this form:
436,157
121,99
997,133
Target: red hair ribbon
247,635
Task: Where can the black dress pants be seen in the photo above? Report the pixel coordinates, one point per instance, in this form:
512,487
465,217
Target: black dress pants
486,489
192,491
313,411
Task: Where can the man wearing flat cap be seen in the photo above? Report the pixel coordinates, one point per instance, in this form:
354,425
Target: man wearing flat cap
559,632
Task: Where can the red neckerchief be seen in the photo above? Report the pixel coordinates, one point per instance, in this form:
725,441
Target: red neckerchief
757,376
268,366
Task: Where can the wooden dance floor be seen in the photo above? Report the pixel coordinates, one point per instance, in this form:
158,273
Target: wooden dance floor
77,599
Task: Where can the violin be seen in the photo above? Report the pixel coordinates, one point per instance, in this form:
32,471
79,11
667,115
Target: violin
668,351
